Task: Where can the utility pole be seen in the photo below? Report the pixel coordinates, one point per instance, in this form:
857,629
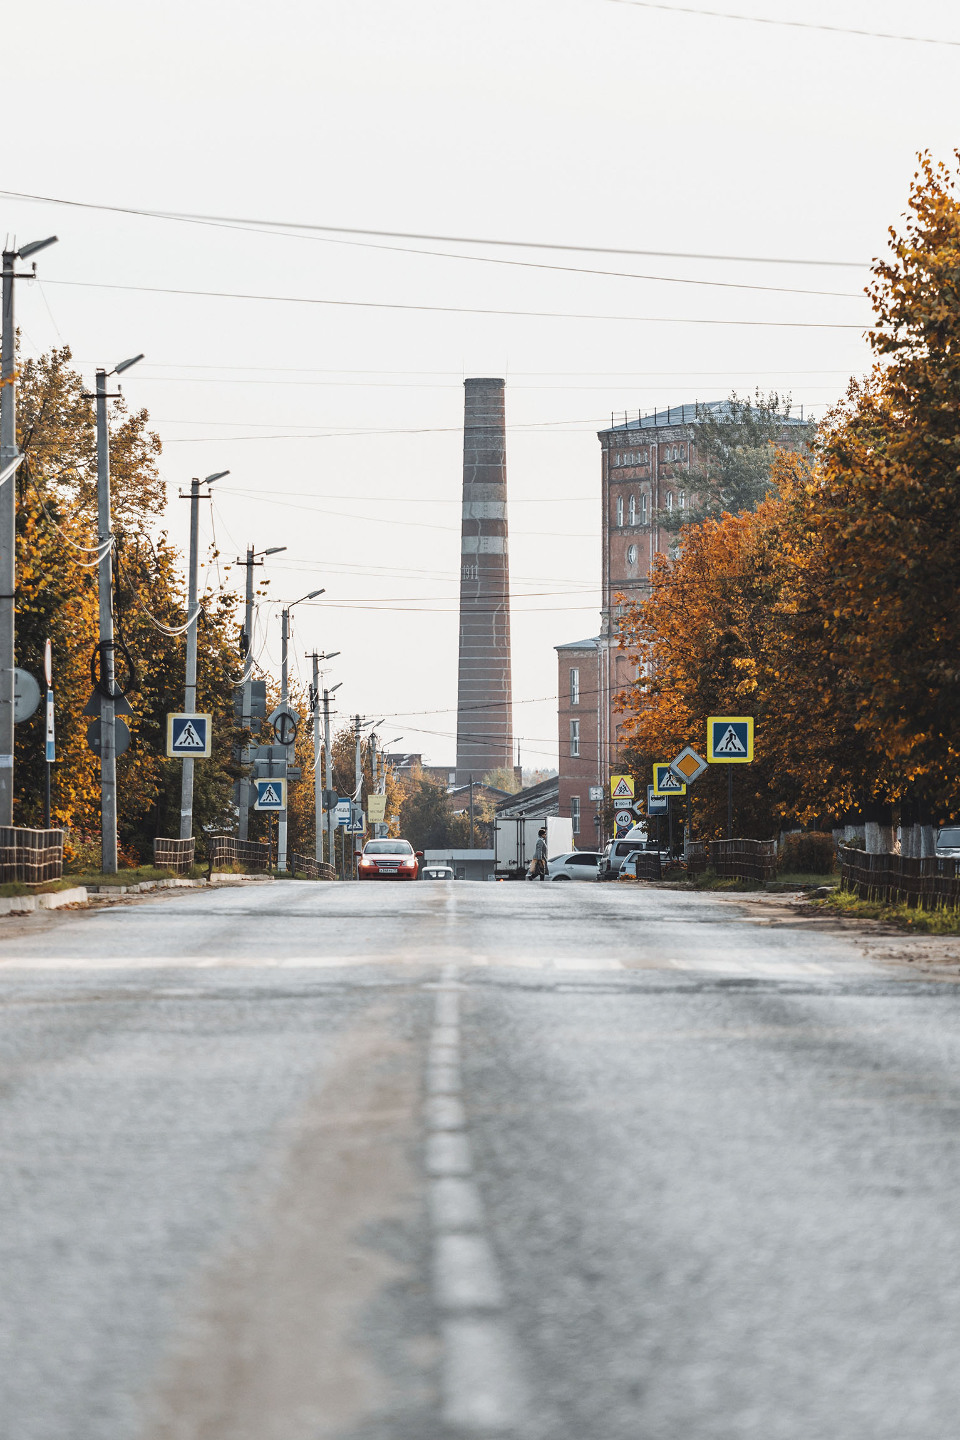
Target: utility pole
193,618
472,832
9,459
284,692
107,668
246,716
108,728
358,779
318,773
328,770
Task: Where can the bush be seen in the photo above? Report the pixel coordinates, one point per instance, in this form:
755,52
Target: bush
813,854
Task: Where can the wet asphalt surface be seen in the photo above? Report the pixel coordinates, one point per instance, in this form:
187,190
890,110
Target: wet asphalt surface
412,1163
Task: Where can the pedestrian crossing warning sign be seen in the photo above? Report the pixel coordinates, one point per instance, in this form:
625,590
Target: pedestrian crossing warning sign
271,795
730,739
621,787
665,782
190,735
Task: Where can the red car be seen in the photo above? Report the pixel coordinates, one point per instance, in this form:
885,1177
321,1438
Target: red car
388,860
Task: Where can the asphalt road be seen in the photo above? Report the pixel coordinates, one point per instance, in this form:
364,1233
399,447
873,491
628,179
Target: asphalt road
547,1162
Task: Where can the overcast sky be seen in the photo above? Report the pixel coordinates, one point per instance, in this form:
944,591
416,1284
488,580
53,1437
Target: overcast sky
578,123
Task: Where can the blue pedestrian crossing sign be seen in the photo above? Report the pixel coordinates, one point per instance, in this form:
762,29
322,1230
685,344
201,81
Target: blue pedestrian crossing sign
271,795
665,782
730,739
190,736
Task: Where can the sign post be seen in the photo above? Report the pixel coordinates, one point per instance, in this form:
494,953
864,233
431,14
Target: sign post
730,742
51,743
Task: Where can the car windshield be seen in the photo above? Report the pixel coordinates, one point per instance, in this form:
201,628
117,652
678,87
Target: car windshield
950,839
388,847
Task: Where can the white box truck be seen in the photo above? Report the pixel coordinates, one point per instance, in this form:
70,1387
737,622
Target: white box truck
515,842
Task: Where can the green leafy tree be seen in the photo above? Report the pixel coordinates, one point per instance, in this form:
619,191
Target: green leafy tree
733,448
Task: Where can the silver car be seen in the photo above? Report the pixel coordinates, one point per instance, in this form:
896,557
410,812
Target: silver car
948,843
574,865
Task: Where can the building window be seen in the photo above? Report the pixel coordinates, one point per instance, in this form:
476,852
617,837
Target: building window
575,814
643,509
669,500
574,687
631,554
682,499
632,511
619,509
574,737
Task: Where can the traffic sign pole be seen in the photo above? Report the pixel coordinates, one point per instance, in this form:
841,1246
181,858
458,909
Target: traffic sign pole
729,802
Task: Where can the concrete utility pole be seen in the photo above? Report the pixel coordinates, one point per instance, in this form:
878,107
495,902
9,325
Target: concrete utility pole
107,668
284,694
9,460
328,769
318,779
193,619
246,718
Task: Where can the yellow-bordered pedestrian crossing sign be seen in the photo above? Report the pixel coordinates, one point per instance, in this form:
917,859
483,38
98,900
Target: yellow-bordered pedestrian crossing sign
665,782
730,739
621,787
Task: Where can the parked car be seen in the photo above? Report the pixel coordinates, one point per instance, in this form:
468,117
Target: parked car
948,843
614,854
574,865
436,872
388,860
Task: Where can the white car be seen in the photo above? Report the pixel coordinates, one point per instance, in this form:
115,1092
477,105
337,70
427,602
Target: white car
574,865
436,872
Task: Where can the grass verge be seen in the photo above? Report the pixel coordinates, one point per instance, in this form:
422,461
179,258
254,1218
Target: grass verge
920,922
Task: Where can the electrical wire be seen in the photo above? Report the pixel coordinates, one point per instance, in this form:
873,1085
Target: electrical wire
456,309
190,218
171,631
792,24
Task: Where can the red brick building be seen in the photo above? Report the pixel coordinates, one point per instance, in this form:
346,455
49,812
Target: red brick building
642,466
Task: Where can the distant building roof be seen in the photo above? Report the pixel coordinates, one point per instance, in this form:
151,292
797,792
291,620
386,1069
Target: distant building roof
686,414
536,800
580,644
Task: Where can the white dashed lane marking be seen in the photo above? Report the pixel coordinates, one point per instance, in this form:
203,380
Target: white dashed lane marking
483,1393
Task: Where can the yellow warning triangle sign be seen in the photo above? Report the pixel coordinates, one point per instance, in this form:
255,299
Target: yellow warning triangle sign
622,789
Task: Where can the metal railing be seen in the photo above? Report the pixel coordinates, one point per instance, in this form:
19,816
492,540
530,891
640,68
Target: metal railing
228,850
744,859
31,856
313,869
931,883
696,857
175,855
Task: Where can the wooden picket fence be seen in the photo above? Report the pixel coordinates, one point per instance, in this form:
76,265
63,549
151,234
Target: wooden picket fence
175,855
313,869
30,856
228,850
744,859
931,883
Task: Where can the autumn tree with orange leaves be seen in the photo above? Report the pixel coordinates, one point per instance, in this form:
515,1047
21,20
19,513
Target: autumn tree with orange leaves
832,612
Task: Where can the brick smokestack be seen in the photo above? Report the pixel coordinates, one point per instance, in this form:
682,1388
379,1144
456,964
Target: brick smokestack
485,697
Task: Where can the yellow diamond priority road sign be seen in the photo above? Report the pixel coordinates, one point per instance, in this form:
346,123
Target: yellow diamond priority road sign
688,765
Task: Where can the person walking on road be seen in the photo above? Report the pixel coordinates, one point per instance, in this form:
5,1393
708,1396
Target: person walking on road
540,856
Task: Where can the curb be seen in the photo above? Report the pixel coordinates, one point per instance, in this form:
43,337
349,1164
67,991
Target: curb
26,904
83,894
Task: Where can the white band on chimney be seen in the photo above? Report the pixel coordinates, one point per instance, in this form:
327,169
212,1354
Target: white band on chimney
484,510
483,545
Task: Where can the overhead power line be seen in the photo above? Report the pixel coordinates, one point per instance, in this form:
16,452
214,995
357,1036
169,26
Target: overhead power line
792,24
457,309
190,218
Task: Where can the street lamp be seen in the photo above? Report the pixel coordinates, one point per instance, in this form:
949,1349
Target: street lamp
193,611
9,456
284,692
